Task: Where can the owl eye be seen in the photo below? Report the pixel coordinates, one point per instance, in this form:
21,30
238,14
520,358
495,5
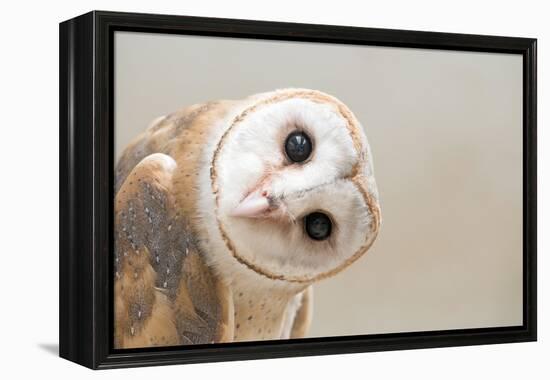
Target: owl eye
318,225
298,146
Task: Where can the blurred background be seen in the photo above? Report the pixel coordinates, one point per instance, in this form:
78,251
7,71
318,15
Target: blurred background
445,128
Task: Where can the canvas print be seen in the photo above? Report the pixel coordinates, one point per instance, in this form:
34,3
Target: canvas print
247,206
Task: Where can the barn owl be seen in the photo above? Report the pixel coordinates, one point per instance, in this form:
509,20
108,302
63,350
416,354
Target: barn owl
227,212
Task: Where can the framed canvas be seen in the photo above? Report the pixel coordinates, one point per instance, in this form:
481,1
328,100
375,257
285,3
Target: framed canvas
235,189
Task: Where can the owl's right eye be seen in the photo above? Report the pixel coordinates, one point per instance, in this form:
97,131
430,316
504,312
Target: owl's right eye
298,146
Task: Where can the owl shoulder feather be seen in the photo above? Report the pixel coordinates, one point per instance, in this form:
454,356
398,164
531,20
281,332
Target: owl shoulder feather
164,292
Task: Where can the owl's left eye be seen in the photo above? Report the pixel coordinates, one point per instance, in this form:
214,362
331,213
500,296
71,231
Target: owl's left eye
318,225
298,146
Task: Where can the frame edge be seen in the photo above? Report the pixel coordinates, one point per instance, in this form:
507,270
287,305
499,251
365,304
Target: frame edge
76,253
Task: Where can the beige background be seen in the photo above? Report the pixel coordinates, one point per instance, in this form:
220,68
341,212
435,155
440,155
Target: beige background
445,130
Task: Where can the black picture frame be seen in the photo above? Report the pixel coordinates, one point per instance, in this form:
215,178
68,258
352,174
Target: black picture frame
86,188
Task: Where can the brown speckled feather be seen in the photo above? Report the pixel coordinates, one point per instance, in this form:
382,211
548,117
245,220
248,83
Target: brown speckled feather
165,294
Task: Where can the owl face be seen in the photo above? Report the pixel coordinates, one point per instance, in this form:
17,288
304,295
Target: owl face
294,190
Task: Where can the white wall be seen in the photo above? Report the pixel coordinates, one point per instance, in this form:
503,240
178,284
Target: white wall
29,167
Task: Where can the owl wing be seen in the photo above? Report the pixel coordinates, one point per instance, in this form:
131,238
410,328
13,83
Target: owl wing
164,292
302,320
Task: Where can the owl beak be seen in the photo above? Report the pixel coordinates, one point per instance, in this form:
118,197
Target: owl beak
259,204
253,205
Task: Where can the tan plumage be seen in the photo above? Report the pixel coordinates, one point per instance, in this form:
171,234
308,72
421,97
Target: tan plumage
169,290
164,293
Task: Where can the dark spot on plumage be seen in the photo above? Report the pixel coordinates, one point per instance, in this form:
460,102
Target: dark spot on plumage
249,318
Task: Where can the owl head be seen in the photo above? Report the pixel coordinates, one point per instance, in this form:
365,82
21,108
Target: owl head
292,188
